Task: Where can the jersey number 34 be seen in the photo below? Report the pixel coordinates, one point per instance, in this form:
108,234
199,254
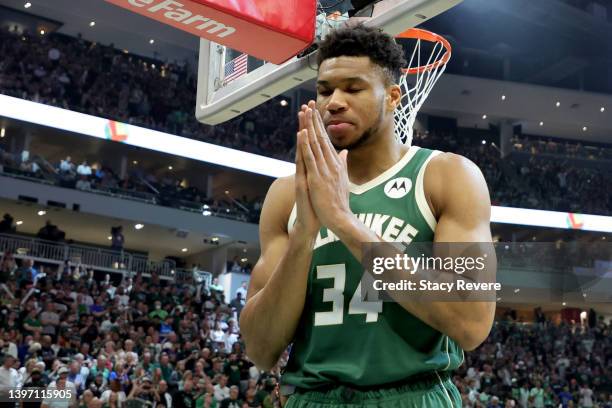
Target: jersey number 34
335,295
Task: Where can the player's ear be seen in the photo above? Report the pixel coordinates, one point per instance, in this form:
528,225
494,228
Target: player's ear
393,98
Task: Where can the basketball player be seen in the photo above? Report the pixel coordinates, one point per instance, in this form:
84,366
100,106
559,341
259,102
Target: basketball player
402,354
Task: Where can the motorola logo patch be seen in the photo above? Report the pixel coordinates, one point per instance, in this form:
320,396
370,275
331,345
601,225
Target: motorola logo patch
398,188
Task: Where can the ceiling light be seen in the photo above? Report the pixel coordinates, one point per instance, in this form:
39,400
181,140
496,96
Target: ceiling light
484,142
184,250
563,303
484,116
109,238
135,162
27,5
151,41
2,132
42,32
284,103
170,167
584,128
503,97
21,222
541,123
602,109
558,104
41,212
93,23
226,192
139,226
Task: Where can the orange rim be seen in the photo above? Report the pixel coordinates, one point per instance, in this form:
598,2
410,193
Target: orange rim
424,35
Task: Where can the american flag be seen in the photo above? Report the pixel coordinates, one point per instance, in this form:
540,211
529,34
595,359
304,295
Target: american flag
236,68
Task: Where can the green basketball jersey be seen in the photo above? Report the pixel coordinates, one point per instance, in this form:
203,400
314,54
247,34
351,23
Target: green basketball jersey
343,340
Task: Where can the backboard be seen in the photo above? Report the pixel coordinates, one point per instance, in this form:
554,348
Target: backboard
219,100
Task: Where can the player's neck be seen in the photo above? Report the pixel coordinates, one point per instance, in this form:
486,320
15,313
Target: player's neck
370,160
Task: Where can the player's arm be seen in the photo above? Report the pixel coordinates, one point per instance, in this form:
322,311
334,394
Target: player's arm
459,196
278,283
460,200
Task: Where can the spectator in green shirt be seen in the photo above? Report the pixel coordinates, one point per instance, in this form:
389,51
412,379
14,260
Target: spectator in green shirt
537,395
232,369
158,312
166,368
31,324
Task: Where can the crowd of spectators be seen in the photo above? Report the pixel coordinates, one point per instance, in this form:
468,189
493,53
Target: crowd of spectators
131,342
539,365
125,342
541,182
564,149
101,80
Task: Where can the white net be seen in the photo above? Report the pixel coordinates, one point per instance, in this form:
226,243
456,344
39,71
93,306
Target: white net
425,66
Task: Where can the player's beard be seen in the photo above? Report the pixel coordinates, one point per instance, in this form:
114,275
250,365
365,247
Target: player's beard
366,135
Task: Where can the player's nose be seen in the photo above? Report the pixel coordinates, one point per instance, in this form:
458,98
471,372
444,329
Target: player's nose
337,102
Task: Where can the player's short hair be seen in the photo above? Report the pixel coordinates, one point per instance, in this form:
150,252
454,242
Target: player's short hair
362,41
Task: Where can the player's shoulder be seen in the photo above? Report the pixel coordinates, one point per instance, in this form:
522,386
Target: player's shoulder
279,202
449,174
282,189
446,166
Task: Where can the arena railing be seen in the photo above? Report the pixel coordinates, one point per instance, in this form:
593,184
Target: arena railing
88,256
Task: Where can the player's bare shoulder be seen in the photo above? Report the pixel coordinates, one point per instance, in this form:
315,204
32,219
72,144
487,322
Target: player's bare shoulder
448,174
278,204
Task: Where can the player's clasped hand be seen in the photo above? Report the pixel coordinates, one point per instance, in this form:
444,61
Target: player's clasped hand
307,222
326,173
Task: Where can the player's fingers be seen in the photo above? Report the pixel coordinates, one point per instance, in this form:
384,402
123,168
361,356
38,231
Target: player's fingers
313,139
298,155
329,152
302,117
300,169
310,162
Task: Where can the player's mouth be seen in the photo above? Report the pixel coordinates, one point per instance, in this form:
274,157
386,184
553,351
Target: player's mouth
338,127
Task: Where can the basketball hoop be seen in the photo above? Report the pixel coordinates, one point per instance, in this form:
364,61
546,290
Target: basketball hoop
419,77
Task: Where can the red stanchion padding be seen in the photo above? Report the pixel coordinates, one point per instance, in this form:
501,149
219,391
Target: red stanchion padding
271,30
